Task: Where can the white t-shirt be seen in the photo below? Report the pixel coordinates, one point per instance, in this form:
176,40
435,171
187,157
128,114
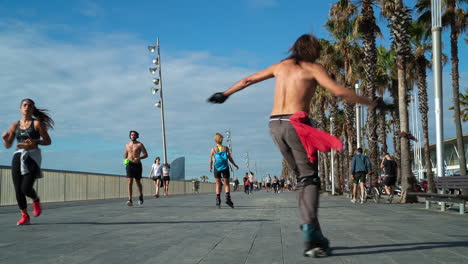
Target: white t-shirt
156,168
268,180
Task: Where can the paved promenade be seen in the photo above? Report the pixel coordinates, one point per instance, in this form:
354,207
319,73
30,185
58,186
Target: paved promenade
263,228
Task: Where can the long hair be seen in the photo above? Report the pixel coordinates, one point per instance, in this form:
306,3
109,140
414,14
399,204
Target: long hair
41,114
306,48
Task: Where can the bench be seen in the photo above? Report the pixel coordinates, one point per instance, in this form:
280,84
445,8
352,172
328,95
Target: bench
445,183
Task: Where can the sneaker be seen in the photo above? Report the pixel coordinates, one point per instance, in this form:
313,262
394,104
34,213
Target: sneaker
156,196
37,210
390,198
129,203
218,202
230,203
24,220
140,200
353,200
362,201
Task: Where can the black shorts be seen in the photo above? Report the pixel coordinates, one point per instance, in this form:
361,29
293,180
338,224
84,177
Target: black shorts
221,174
134,170
166,178
390,180
268,185
156,178
360,176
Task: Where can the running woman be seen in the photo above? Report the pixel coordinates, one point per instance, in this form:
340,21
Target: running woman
220,155
296,80
166,179
133,152
155,175
30,132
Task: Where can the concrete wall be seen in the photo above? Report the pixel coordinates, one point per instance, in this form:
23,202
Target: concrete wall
61,186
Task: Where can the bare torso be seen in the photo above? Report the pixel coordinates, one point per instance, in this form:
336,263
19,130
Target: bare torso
133,151
295,86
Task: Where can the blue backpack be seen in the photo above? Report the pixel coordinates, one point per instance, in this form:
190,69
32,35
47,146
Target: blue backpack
221,160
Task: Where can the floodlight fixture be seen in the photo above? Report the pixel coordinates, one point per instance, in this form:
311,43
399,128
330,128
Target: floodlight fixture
153,70
154,90
156,81
152,49
158,104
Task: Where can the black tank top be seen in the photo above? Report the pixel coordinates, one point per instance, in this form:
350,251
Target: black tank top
28,133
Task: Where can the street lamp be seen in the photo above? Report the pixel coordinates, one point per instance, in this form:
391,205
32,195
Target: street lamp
158,82
436,11
228,140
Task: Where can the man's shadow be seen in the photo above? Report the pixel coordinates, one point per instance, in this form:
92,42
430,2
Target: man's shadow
401,247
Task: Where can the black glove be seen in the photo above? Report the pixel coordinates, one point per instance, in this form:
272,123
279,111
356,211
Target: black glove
381,105
217,98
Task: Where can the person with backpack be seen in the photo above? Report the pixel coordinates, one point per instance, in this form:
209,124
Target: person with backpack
361,166
220,155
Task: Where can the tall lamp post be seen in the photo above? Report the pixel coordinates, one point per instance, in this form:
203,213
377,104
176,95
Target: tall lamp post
229,141
157,81
436,10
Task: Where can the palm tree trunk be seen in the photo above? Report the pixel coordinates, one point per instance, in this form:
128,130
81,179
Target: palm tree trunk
396,124
421,65
407,177
456,96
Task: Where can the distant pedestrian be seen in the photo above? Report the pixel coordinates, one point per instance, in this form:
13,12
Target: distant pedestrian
236,184
275,184
156,175
166,178
30,132
246,183
390,168
135,151
361,166
251,181
221,156
268,182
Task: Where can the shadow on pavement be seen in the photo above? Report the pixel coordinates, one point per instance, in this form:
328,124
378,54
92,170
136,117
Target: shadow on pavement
374,249
157,222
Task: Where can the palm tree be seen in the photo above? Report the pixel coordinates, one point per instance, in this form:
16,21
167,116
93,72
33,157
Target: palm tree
463,106
399,17
422,45
386,67
368,29
455,18
340,25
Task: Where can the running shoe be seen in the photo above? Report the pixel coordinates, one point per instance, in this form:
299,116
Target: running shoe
353,200
129,203
37,210
218,202
140,200
156,196
24,220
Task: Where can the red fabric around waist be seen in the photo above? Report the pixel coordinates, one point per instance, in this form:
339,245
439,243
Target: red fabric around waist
313,139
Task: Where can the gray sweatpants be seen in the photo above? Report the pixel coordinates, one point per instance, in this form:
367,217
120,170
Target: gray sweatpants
286,139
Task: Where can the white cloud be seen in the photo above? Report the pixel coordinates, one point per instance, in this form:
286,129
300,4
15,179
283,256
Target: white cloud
98,92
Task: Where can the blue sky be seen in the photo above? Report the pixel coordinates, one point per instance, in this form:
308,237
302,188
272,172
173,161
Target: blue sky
87,62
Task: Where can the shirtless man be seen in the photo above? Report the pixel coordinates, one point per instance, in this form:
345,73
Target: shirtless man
296,80
133,151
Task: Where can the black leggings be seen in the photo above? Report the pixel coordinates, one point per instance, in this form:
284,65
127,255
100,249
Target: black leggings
23,183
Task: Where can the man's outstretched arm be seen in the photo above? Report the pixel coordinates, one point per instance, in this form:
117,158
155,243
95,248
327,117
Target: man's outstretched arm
219,98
